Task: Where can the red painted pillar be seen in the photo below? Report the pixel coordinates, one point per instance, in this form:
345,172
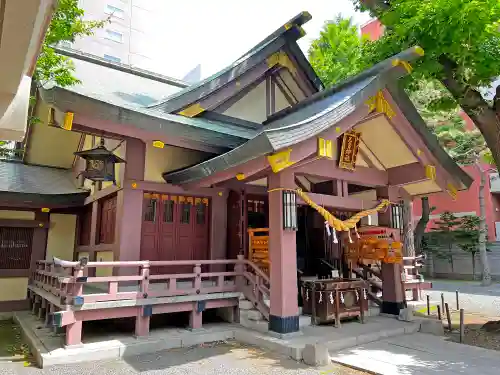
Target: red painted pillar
392,288
284,317
129,207
74,333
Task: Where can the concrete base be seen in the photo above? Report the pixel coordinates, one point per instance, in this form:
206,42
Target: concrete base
349,335
49,350
316,355
432,326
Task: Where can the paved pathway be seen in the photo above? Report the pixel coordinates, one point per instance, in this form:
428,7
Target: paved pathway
227,359
473,297
420,354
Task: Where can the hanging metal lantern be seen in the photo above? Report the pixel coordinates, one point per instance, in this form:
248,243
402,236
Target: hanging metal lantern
100,163
289,210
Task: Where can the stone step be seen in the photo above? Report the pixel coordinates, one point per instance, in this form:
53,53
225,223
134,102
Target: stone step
253,314
255,325
245,304
304,321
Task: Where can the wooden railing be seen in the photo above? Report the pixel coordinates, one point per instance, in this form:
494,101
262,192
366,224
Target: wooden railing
412,278
68,283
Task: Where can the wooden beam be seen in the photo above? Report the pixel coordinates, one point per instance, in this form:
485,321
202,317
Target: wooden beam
112,130
407,174
22,223
326,168
344,203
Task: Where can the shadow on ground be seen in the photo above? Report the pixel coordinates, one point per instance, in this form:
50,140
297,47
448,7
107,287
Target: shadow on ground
207,355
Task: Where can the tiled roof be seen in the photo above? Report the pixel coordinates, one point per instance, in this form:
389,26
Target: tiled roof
29,179
122,94
116,83
318,113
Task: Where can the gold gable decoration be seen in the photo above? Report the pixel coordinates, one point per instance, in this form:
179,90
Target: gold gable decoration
325,148
430,172
281,58
452,190
192,111
280,160
380,104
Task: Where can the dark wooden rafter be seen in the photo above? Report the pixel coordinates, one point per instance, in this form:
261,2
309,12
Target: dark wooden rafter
300,184
285,90
368,156
215,116
306,70
81,143
234,90
300,79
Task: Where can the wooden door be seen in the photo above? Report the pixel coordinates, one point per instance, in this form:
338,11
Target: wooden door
150,228
236,231
175,228
167,228
108,221
200,220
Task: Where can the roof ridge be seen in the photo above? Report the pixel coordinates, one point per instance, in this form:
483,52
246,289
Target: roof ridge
88,57
292,25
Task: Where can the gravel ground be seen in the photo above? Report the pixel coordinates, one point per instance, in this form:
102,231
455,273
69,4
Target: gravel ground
473,297
209,359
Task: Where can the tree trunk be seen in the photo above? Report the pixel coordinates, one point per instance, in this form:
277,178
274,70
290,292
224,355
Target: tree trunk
409,245
472,102
473,265
486,118
422,223
486,277
450,258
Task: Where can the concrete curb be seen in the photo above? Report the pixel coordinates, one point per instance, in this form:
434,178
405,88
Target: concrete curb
295,351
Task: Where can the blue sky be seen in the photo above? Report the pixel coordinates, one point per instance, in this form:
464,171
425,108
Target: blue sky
220,31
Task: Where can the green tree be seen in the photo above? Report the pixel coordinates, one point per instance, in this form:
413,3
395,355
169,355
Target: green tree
467,237
432,99
445,235
338,52
469,148
460,39
66,25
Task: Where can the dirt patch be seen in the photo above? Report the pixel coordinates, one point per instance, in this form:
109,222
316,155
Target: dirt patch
12,346
481,331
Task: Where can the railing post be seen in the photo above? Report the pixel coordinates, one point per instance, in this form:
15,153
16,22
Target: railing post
239,268
256,290
197,279
144,314
74,330
195,320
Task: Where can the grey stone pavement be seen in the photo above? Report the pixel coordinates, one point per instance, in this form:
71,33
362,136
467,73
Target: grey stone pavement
473,297
229,358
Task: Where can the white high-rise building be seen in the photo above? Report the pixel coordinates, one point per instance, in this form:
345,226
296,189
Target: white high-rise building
134,36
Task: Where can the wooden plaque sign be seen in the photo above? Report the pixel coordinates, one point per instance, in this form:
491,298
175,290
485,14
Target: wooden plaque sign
349,150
